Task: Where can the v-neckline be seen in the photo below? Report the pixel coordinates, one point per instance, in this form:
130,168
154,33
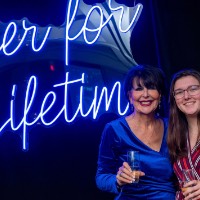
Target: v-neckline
162,142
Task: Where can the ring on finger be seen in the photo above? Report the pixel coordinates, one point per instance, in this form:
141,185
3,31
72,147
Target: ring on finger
120,174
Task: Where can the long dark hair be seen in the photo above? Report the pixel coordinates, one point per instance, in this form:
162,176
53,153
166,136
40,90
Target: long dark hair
178,125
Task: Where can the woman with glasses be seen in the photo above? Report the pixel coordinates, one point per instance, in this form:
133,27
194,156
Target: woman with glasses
184,131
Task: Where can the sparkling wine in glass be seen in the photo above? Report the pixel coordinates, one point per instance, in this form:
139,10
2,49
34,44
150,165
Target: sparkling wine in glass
133,159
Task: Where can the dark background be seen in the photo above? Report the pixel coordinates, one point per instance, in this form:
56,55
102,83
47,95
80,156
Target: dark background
61,161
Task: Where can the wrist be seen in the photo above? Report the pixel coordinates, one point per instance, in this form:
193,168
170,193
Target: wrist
119,187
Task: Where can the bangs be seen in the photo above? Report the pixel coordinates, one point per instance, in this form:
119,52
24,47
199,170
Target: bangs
149,82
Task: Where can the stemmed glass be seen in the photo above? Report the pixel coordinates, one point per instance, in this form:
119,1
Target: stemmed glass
133,159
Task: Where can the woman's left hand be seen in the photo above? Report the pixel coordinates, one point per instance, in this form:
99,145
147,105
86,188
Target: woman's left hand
193,190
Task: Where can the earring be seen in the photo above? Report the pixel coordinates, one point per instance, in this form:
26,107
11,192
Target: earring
158,109
131,107
159,105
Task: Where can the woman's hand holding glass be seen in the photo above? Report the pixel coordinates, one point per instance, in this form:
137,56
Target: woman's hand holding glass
130,171
125,175
192,191
190,186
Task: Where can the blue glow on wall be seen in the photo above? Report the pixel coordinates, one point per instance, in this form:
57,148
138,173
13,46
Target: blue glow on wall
107,25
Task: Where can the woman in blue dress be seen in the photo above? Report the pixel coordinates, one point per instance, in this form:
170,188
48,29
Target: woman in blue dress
144,131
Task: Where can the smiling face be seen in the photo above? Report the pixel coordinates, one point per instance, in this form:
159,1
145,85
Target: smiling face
144,100
188,104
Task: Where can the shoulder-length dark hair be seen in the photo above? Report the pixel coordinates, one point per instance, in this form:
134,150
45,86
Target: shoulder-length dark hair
178,125
151,77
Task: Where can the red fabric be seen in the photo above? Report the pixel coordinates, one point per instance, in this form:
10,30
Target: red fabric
192,161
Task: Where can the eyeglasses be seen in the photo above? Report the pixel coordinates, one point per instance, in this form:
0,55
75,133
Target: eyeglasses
191,90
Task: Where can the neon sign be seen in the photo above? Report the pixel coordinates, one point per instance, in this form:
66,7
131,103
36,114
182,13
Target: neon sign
97,30
51,97
90,33
10,34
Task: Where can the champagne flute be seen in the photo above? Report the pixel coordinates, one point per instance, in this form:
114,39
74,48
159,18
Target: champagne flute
188,175
133,159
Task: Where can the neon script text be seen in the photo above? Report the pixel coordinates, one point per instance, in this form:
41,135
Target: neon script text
11,43
49,102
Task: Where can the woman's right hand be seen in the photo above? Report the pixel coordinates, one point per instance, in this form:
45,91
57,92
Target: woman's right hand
192,190
125,175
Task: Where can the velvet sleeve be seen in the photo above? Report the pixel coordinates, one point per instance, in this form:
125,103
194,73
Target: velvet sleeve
107,161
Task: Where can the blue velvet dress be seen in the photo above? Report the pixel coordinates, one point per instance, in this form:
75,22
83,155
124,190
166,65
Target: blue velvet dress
158,182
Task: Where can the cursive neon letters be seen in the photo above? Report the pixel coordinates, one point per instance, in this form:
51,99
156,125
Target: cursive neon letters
11,43
10,35
15,37
101,24
31,93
